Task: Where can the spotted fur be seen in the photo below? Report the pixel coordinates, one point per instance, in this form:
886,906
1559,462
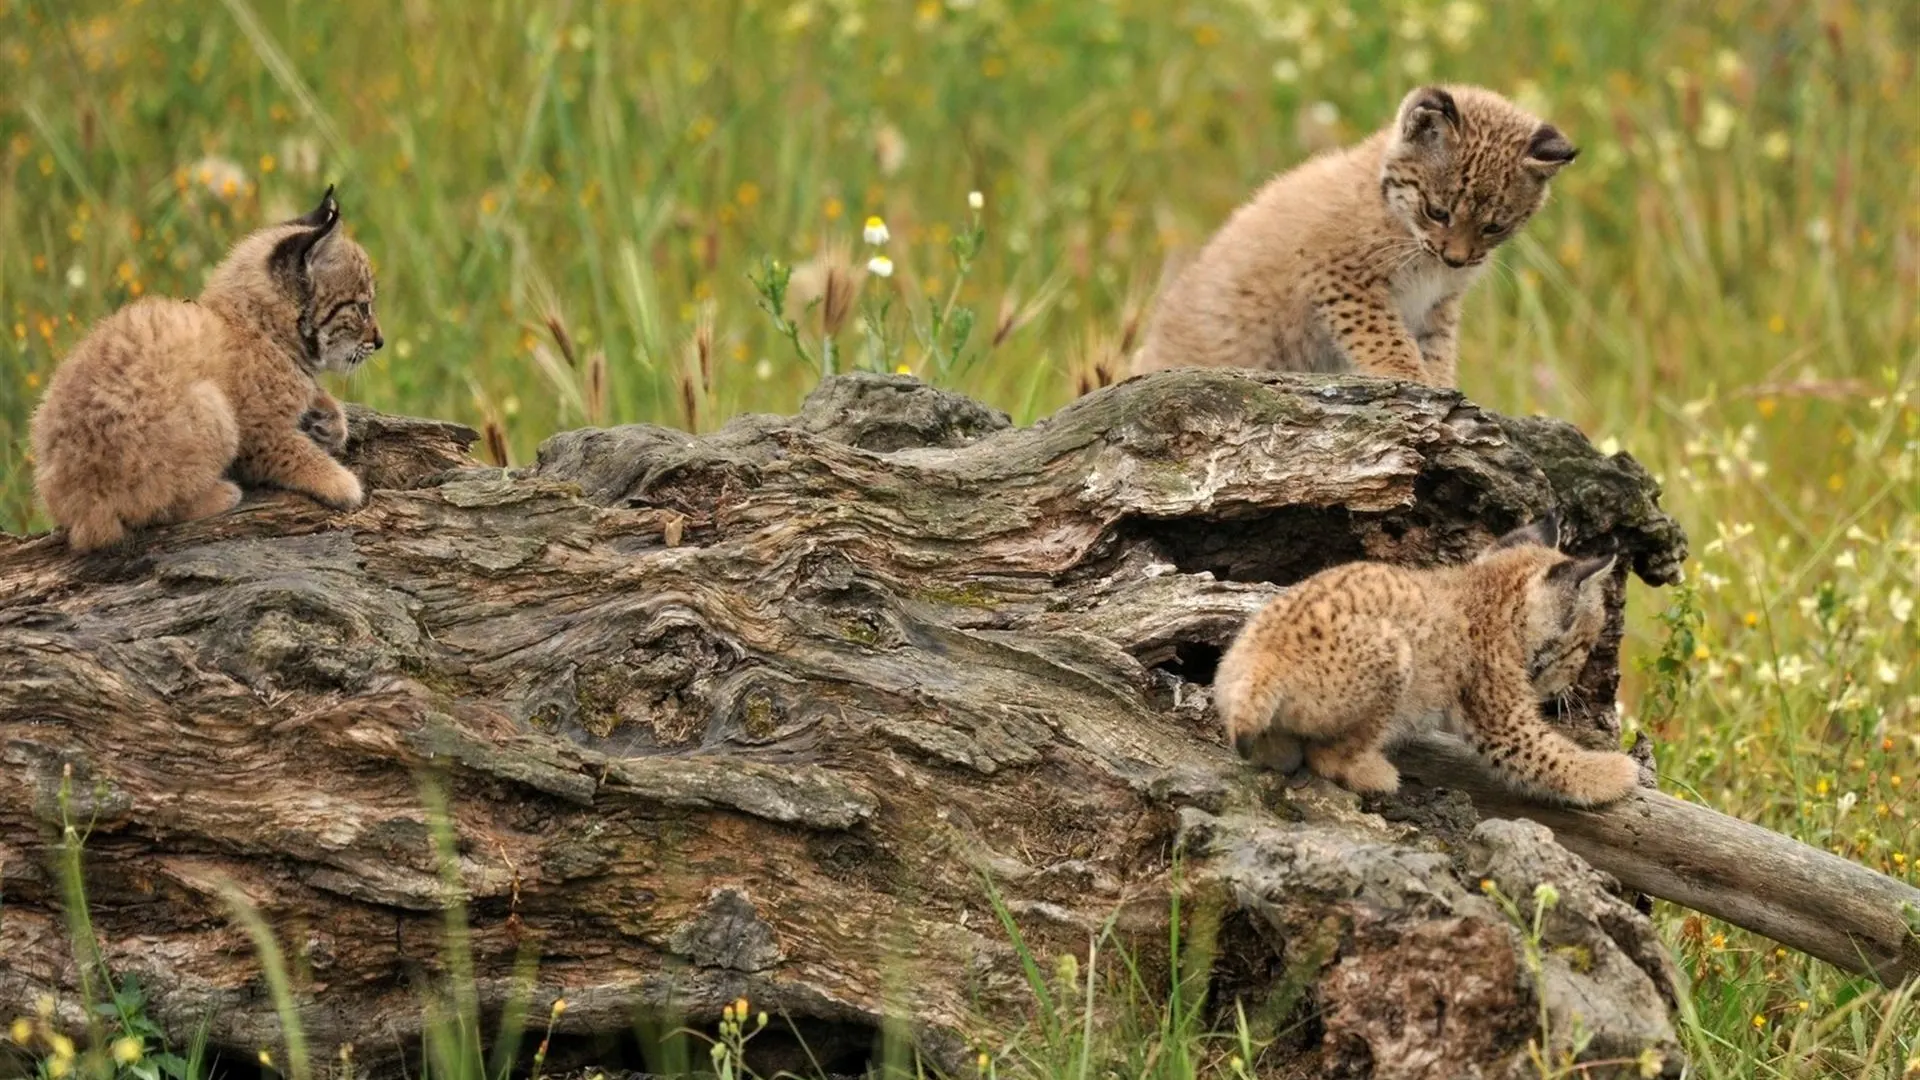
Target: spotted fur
166,402
1331,673
1357,259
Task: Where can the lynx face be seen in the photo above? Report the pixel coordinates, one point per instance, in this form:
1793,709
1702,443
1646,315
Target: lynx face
1564,608
345,328
1463,174
332,278
1566,611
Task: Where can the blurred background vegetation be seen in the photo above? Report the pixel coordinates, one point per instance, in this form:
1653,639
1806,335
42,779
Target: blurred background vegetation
1726,284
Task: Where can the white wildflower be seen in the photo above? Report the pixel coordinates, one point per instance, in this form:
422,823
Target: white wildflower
1716,124
876,232
976,201
880,266
76,276
1286,72
1295,25
1457,22
1885,671
1845,803
1900,605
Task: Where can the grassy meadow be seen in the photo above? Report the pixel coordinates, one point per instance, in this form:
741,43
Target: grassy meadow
1726,283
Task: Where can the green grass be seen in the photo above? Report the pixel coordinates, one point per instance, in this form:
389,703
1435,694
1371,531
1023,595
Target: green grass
1726,284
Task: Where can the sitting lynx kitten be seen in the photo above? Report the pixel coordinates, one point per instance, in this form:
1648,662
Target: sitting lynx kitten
144,419
1359,655
1357,259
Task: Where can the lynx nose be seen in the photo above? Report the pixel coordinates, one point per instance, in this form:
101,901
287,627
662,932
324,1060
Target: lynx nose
1451,260
378,341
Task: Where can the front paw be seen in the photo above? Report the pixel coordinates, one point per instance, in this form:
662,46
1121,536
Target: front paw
1365,772
341,491
328,429
1605,778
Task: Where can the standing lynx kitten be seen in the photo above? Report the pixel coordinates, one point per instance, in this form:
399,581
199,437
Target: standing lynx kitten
1360,655
1357,259
146,417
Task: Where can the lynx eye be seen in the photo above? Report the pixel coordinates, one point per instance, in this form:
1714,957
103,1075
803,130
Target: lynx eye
366,309
1438,214
1492,228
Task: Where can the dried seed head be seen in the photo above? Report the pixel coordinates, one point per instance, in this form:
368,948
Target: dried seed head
689,402
836,301
597,386
558,329
496,443
1006,321
703,347
1097,365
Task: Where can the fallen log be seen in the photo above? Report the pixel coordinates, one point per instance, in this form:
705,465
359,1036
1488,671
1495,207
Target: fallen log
1752,877
759,712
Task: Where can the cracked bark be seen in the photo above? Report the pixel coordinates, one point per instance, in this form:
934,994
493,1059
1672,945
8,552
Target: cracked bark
753,712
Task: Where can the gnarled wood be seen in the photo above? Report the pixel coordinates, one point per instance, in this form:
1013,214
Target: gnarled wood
757,712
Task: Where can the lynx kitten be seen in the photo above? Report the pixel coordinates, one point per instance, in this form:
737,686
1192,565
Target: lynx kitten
1362,654
144,420
1357,259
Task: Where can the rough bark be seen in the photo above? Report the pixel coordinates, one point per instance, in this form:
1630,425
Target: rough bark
759,712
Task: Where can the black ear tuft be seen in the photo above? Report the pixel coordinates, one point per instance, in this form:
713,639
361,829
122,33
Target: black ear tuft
1423,112
325,214
1544,532
1548,149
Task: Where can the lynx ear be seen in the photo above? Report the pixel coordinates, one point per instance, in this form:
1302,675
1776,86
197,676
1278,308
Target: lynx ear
292,258
1544,532
1428,115
1548,152
325,214
1578,573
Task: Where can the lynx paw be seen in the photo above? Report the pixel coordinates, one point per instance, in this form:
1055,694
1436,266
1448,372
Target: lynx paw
341,491
1366,773
1270,748
1604,778
326,428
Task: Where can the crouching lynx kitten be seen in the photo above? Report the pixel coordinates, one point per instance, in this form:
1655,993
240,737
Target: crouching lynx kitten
1359,655
143,421
1357,259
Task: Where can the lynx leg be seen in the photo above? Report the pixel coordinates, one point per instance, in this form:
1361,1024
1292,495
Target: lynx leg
221,497
1506,729
1369,330
284,456
1440,346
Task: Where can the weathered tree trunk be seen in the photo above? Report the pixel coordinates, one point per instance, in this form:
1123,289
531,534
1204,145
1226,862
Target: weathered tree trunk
759,712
